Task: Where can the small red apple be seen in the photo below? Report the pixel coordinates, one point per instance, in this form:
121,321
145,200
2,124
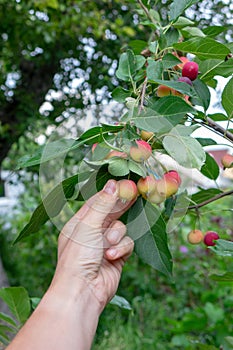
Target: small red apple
141,151
173,175
210,238
127,190
190,70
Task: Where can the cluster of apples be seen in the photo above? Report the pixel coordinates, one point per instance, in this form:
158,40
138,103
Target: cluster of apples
152,189
197,236
189,72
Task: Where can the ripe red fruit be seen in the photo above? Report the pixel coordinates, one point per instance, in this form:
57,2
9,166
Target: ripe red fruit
173,175
141,152
195,237
190,70
185,80
210,237
227,161
167,187
127,190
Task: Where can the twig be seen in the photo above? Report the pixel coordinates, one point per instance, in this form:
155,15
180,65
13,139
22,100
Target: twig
143,92
145,9
218,196
219,128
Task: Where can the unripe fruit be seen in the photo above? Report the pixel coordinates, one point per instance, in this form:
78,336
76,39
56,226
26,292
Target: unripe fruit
185,80
195,237
163,90
190,70
210,237
146,185
141,152
118,154
155,198
167,187
227,161
146,135
127,190
173,175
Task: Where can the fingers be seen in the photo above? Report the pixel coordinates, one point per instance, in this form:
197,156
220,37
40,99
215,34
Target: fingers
122,250
115,232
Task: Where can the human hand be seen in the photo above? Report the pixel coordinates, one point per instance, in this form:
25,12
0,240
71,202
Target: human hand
93,245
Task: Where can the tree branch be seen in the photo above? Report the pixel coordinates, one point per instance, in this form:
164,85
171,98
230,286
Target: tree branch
218,196
213,125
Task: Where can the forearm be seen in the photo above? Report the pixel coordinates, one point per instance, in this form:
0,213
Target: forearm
66,318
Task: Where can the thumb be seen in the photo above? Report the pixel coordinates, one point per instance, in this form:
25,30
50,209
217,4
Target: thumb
97,208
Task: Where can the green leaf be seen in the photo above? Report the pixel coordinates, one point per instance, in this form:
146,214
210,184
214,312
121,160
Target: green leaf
213,31
163,115
150,237
205,195
203,94
95,183
215,314
18,301
126,68
137,168
119,94
210,68
189,32
137,46
210,168
227,100
178,7
183,22
121,302
7,319
206,141
169,60
204,48
51,205
172,107
58,148
226,277
186,150
118,167
218,117
154,70
182,87
223,248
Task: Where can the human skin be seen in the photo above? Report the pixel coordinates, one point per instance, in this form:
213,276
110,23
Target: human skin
92,249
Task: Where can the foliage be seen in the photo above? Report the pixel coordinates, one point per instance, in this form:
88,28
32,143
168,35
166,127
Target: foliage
172,119
145,64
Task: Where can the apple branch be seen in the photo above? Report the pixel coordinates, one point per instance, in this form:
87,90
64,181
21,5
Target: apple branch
211,124
218,196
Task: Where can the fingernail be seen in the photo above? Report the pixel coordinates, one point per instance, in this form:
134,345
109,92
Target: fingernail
113,236
110,187
112,252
